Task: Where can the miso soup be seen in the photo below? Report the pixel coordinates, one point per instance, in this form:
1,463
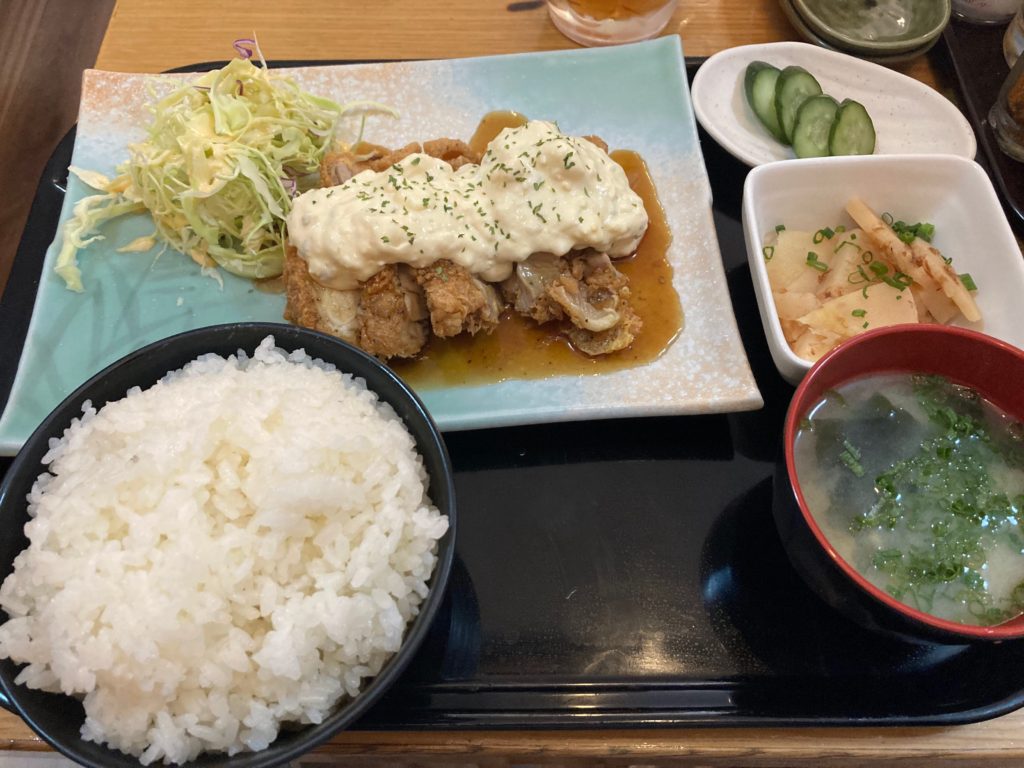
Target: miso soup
919,484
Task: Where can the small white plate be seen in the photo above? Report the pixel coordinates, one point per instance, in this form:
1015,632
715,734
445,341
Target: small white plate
952,193
909,116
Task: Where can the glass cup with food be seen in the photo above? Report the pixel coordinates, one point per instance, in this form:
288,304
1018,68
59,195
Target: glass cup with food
1007,115
610,22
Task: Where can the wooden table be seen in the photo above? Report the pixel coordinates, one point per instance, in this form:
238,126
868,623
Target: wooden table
153,35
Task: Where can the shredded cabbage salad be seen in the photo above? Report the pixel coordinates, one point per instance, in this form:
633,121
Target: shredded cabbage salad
223,156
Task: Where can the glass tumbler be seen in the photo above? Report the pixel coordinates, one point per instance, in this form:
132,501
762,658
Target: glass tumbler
1013,40
1007,115
610,22
985,11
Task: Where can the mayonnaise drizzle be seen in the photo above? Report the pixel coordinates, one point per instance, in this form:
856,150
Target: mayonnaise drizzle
536,190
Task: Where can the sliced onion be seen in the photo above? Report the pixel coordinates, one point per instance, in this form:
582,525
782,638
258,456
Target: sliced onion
242,49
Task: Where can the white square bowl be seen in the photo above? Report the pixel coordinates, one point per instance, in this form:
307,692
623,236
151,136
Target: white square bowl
951,192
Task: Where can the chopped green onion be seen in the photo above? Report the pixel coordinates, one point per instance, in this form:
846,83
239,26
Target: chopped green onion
887,218
968,281
780,227
859,272
878,268
814,263
840,229
908,232
823,234
899,280
867,257
768,251
859,312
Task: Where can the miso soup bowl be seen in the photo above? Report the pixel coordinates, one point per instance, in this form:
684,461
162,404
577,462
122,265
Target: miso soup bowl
992,367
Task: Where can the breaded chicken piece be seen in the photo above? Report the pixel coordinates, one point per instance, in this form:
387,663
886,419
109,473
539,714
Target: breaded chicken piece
386,316
584,291
311,305
619,336
457,300
392,319
527,287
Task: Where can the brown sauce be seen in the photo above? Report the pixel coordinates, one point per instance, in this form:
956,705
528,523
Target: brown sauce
491,125
270,284
520,349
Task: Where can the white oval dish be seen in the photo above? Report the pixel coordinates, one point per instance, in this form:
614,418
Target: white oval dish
909,116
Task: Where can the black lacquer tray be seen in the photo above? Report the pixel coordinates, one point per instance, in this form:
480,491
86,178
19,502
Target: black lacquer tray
627,573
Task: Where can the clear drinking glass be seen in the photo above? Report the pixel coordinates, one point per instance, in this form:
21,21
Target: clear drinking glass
985,11
1007,115
610,22
1013,40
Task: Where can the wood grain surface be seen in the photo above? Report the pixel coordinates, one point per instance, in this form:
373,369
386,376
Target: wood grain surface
44,46
153,35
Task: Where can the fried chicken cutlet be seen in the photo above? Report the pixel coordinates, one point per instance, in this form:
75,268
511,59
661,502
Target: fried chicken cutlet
392,307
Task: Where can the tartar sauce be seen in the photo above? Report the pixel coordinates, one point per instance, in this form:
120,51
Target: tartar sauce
535,190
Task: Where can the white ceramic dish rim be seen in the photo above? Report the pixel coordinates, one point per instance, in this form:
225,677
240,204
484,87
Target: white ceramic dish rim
790,366
709,118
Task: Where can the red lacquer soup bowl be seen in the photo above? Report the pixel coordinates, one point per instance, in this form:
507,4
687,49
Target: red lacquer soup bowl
991,367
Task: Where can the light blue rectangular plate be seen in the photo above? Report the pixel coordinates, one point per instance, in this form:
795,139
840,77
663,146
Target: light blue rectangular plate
632,96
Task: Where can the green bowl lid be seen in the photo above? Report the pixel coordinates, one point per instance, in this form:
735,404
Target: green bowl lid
896,57
875,26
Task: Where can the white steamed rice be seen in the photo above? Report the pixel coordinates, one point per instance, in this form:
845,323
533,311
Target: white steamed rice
238,546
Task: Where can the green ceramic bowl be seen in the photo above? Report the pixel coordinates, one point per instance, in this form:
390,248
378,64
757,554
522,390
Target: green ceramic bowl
801,26
875,27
